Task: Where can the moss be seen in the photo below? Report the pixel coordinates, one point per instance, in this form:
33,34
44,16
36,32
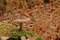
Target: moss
6,29
18,35
39,38
28,32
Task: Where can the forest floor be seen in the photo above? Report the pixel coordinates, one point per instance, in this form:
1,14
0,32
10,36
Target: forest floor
45,17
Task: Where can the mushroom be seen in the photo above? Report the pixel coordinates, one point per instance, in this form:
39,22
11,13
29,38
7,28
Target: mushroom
21,21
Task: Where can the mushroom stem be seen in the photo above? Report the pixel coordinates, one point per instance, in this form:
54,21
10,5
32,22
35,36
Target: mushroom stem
21,24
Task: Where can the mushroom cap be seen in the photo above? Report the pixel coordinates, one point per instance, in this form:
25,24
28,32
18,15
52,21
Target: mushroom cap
22,20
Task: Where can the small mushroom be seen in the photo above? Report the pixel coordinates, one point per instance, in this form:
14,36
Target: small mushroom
21,21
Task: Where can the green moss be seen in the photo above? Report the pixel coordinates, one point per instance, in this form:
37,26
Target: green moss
6,29
40,38
24,33
29,33
18,34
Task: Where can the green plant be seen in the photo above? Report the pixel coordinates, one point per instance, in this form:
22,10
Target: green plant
6,29
24,32
18,34
39,38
